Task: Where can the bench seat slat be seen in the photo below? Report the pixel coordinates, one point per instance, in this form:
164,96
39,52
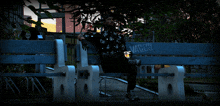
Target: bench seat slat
168,60
27,59
196,49
28,46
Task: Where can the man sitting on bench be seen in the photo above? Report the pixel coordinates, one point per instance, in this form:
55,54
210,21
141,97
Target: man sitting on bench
111,46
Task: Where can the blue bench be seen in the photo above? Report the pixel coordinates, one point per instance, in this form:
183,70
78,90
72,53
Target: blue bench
170,80
63,76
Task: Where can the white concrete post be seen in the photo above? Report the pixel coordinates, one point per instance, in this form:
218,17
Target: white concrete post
171,88
87,89
83,55
63,86
60,62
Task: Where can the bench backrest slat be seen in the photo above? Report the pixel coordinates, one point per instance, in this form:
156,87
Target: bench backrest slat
167,53
27,46
92,59
193,49
27,59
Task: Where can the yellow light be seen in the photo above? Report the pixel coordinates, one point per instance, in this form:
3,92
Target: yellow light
98,30
165,66
126,53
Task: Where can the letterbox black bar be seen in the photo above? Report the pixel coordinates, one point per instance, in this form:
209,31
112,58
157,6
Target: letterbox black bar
31,74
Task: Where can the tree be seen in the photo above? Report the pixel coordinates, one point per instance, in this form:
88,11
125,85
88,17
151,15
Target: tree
169,20
203,24
170,23
8,7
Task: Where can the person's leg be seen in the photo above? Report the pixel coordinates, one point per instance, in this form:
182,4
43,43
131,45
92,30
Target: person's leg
131,78
119,65
125,67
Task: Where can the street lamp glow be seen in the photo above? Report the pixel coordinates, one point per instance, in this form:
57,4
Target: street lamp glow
98,30
127,54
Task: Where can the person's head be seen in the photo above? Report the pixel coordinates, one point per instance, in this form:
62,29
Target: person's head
109,21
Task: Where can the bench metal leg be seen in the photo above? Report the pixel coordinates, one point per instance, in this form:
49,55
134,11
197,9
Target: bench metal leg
40,84
105,85
7,84
14,85
27,83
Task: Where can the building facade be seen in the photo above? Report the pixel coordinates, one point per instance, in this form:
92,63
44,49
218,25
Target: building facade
14,13
69,24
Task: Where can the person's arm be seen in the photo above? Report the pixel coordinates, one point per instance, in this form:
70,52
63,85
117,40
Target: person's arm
80,37
83,40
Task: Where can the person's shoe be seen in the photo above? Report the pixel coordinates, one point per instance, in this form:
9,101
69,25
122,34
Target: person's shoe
131,96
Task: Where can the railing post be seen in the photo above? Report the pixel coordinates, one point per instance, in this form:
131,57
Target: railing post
41,68
152,71
152,66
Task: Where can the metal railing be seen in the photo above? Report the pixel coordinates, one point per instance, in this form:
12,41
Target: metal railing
27,76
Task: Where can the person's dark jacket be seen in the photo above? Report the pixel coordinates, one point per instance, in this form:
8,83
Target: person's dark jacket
110,47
